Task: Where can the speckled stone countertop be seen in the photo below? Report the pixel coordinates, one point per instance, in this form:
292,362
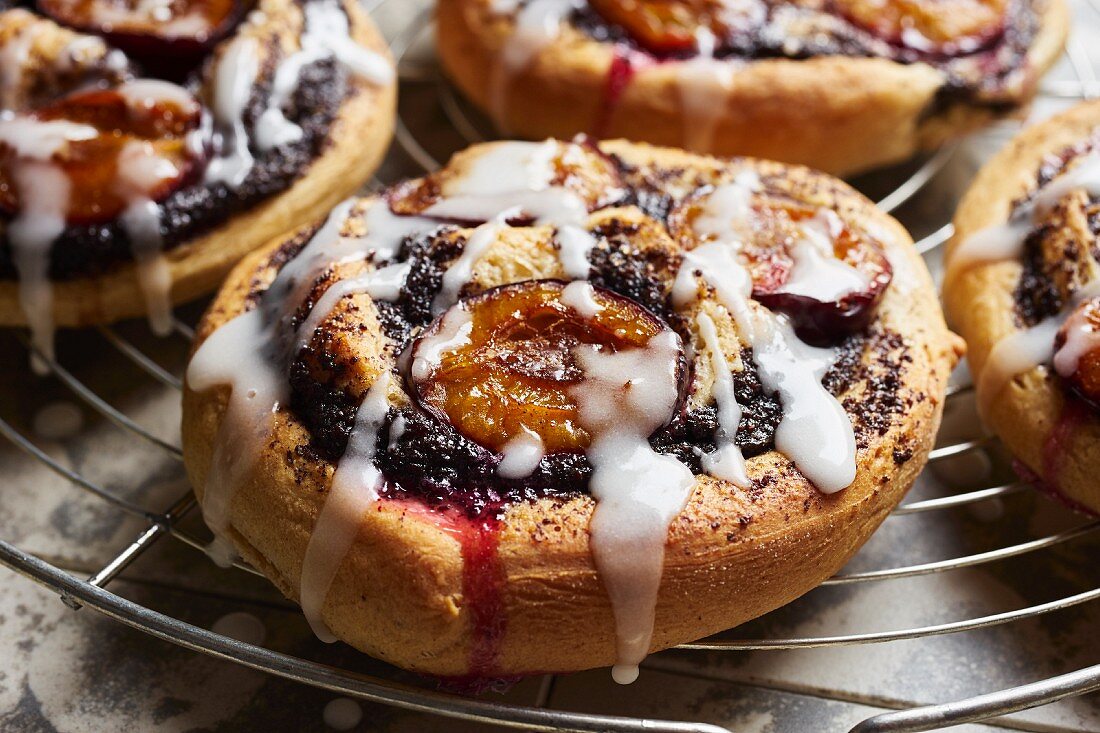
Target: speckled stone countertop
65,670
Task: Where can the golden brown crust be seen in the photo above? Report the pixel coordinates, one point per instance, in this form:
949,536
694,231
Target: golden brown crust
981,305
358,140
838,114
732,554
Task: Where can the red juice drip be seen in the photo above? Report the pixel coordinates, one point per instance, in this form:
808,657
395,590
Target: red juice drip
625,63
1054,449
1074,412
482,586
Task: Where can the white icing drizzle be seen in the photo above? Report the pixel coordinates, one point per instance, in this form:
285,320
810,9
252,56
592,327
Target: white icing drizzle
235,75
818,273
1082,337
43,192
140,169
522,455
581,297
326,35
716,263
145,93
397,429
537,24
574,245
623,398
1027,349
704,83
454,332
237,355
354,488
1005,241
382,284
725,462
814,432
725,208
460,271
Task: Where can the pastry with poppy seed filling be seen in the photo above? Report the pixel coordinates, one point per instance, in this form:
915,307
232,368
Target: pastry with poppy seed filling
130,183
843,86
561,404
1023,288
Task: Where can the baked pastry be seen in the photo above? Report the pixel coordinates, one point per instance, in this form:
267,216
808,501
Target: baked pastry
840,86
546,409
1023,288
122,194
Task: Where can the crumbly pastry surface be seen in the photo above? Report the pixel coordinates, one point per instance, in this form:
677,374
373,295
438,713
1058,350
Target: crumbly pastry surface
842,87
522,415
130,181
1022,290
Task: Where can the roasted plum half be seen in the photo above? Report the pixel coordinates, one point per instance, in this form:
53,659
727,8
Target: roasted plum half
804,261
168,37
671,27
113,146
501,365
578,168
939,27
1077,351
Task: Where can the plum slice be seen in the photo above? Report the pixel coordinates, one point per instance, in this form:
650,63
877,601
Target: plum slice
670,27
168,37
138,148
803,260
500,365
936,26
1077,351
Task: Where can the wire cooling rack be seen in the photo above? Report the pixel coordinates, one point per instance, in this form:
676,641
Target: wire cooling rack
425,136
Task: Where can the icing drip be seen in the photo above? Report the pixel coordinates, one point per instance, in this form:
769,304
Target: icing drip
522,455
235,75
326,35
460,271
726,207
574,245
623,398
537,25
141,169
1081,338
581,297
817,272
383,284
352,492
1024,350
43,190
726,461
455,333
705,84
717,265
14,55
1006,241
814,432
236,355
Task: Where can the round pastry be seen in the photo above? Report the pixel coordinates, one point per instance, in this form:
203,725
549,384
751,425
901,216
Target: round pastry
122,193
1023,288
561,404
840,86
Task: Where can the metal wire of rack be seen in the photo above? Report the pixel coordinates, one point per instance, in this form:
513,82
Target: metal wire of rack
161,522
